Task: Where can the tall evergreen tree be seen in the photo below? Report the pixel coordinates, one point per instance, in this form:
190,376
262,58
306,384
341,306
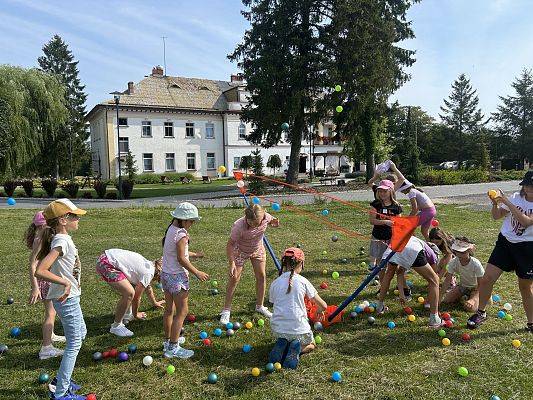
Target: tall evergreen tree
460,113
69,149
412,159
514,117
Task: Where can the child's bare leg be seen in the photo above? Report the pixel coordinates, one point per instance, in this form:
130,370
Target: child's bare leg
48,323
385,283
126,292
472,303
259,266
168,315
181,300
433,286
452,296
309,348
232,285
526,290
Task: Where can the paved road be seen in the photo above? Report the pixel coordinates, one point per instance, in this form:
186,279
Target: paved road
474,194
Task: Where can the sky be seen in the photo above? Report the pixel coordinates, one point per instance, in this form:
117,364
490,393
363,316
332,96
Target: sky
491,41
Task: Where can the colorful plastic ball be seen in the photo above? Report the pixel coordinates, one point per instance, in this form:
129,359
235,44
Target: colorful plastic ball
246,348
132,348
324,253
105,354
207,342
248,325
147,361
465,337
113,353
408,310
516,343
285,126
276,207
203,335
318,339
11,201
43,378
501,314
494,397
442,333
256,200
421,300
324,285
462,371
334,238
445,316
318,326
325,213
229,325
336,376
260,322
15,332
359,309
213,291
338,88
507,306
123,356
344,260
434,222
230,332
411,318
171,369
391,325
240,184
214,283
256,371
409,283
3,348
221,169
277,366
10,300
212,378
396,292
97,356
191,318
371,309
496,298
448,323
446,341
371,320
367,310
269,367
324,272
335,275
90,396
217,332
492,193
237,326
365,303
339,109
508,317
353,315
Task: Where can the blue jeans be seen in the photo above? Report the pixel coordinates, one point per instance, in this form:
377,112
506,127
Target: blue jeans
75,330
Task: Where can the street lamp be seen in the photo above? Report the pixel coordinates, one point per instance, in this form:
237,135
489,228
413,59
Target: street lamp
116,96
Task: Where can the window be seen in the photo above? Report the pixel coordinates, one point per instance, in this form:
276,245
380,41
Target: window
148,162
124,144
209,130
169,129
242,131
123,122
147,129
170,162
211,161
191,161
189,129
236,162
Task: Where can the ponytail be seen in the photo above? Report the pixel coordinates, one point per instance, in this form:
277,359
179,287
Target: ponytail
180,225
46,238
447,239
29,236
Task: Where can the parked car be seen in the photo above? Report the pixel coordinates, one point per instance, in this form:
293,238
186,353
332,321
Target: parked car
449,165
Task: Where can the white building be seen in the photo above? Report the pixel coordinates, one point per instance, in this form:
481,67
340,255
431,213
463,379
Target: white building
176,124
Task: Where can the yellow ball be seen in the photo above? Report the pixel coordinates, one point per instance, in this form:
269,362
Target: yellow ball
222,169
277,366
446,341
248,325
324,272
396,292
516,343
371,309
421,300
492,193
256,371
411,318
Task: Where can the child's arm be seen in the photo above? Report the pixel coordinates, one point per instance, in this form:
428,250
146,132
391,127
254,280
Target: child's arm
185,263
139,290
197,254
373,217
414,206
401,178
441,265
151,296
35,292
522,218
321,304
373,179
446,285
43,272
401,280
231,258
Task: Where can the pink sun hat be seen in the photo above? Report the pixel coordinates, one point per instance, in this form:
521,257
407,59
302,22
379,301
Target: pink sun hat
39,220
386,184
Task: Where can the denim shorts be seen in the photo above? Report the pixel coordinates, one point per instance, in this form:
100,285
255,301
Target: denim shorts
304,338
174,283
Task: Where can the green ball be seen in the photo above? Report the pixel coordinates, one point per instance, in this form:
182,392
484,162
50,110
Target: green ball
214,283
363,264
508,317
339,109
335,275
462,371
324,253
442,333
171,369
318,339
285,126
261,322
338,88
43,378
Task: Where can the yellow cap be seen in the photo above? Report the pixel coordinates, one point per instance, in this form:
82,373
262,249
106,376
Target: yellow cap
60,207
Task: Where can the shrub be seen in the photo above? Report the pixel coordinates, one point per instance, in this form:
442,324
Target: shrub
127,188
9,186
147,178
27,184
432,177
175,176
87,195
101,188
111,196
506,175
71,188
49,185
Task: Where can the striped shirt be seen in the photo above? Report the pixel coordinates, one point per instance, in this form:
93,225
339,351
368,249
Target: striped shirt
247,239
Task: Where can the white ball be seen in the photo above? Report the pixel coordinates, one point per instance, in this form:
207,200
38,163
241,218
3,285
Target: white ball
318,326
240,184
366,303
148,360
362,305
508,306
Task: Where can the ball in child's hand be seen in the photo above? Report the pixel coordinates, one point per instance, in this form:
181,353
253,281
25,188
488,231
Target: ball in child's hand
221,169
147,361
434,222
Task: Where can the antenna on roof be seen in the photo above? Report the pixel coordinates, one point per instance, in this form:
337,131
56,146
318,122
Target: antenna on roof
164,55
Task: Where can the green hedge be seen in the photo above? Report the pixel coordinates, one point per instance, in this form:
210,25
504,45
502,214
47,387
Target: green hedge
432,177
156,178
507,175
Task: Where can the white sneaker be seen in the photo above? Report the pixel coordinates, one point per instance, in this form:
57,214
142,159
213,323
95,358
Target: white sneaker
49,352
57,338
121,330
166,343
178,352
127,318
224,317
263,310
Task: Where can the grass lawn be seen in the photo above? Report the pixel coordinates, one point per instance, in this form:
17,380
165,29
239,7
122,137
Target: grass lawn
408,362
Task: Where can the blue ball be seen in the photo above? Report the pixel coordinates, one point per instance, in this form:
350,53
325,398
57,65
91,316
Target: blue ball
203,335
494,397
11,201
246,348
269,367
359,310
3,348
276,207
15,332
496,298
336,376
409,283
212,378
501,314
132,348
217,332
391,324
256,200
229,325
325,213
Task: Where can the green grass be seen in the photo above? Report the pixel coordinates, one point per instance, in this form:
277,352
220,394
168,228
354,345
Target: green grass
408,362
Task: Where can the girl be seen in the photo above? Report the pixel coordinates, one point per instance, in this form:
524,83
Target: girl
470,271
289,320
175,277
513,250
130,274
59,264
443,241
39,289
246,242
421,205
415,256
396,176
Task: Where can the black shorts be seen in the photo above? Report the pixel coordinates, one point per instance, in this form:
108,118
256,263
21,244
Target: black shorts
420,260
517,257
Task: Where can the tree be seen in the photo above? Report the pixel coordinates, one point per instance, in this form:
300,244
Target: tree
514,117
460,113
274,162
130,167
246,163
257,185
69,148
412,159
482,155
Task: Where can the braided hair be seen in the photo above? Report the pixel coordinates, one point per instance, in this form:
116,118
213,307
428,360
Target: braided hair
289,263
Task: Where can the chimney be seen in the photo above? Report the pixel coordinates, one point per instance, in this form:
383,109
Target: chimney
157,70
130,88
237,78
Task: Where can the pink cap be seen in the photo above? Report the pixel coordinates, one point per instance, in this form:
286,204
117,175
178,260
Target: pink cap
38,219
386,184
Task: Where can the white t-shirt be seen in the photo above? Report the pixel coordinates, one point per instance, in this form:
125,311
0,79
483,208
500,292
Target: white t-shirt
171,264
289,314
67,266
407,256
511,228
468,273
422,199
136,268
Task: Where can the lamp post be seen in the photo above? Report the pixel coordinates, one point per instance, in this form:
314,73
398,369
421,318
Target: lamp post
116,96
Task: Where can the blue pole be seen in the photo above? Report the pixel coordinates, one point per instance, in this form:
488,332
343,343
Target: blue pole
368,279
267,243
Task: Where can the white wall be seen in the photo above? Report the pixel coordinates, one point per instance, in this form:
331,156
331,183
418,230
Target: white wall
99,145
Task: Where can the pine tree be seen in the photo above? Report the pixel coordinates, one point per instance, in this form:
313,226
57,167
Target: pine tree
257,185
412,161
69,149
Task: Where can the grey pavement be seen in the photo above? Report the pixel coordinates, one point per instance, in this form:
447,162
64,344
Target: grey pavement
473,194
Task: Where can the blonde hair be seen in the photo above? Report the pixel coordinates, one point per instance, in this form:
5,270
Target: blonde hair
29,235
47,236
253,211
158,267
289,263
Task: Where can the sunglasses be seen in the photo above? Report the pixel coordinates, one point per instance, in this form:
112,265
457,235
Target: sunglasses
73,217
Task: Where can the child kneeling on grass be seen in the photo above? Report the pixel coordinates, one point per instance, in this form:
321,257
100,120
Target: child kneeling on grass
130,274
289,322
470,271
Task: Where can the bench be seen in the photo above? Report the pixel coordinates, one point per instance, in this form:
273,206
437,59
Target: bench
184,180
330,179
165,179
206,179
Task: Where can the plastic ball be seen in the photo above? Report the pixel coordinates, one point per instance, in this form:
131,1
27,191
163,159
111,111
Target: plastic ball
276,207
516,343
147,361
246,348
335,275
391,325
501,314
318,339
365,303
256,200
324,272
465,337
318,326
203,335
435,222
336,376
213,291
91,396
171,369
113,353
408,310
462,371
324,253
448,323
212,378
15,332
338,88
221,169
445,316
508,317
230,332
214,284
256,371
11,201
492,193
367,310
97,356
353,315
421,300
285,126
132,348
248,325
217,332
324,285
325,213
10,300
229,325
240,184
277,366
123,356
359,309
494,397
334,238
207,342
371,320
344,260
396,292
507,306
3,348
191,318
411,318
269,367
339,109
371,309
442,333
409,284
237,326
105,354
43,378
446,342
496,298
260,322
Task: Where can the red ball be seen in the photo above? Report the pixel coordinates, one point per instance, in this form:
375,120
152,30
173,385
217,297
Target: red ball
434,222
445,316
105,354
408,310
367,310
191,318
206,342
91,396
324,285
466,337
448,323
113,353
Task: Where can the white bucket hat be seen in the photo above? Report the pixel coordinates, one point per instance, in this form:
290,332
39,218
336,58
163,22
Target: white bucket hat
186,211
